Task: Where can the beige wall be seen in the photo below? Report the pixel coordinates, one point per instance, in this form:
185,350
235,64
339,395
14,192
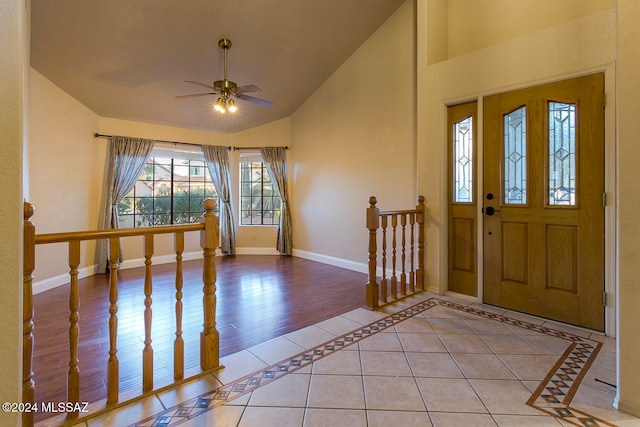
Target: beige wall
628,88
476,24
14,48
354,138
65,172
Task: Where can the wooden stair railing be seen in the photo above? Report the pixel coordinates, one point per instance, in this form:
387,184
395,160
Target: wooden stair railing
209,337
411,223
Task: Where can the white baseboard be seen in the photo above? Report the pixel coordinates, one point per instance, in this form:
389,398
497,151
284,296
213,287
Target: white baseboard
257,251
161,259
360,267
53,282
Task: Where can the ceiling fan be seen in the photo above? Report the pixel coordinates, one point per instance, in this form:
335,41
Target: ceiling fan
226,89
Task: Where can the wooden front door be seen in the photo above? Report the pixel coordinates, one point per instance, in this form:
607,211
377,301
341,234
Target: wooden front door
543,208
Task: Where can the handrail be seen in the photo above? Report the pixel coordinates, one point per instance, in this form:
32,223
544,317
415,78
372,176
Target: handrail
403,222
209,337
120,232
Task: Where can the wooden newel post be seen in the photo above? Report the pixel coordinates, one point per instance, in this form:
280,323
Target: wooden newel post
372,224
420,220
28,390
209,337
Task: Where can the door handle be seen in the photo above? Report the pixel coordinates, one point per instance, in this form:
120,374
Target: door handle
490,210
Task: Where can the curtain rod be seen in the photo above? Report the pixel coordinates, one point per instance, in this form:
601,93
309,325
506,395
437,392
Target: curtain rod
253,148
97,135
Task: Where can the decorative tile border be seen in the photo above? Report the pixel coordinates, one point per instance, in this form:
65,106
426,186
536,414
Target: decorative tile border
552,397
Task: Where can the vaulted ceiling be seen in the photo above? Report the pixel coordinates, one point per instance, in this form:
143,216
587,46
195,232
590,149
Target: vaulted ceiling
129,59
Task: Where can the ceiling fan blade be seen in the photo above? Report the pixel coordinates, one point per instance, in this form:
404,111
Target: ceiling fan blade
195,94
247,89
201,84
254,100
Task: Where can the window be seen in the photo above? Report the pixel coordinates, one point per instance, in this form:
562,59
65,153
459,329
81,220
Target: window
170,190
259,202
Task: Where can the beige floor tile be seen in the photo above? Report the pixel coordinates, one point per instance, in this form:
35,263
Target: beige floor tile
507,344
440,312
397,418
417,324
338,325
546,344
606,359
385,363
238,365
528,367
364,316
464,343
450,326
436,365
222,416
339,363
336,391
269,417
526,421
315,417
487,366
449,395
486,326
309,337
290,390
507,397
392,393
275,350
381,342
461,420
421,342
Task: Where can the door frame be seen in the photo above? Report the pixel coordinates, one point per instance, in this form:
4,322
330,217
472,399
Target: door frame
610,238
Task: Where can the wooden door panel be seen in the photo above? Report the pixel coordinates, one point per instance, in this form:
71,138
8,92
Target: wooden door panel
462,221
544,252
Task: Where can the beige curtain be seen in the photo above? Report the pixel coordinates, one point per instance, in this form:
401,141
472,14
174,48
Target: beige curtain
217,158
275,159
127,157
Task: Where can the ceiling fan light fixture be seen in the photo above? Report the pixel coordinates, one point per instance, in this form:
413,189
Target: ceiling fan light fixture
232,106
220,106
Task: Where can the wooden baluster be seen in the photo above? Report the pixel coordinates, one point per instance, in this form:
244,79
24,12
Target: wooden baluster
403,275
420,219
147,352
178,344
29,251
372,293
383,283
113,364
209,337
412,255
394,277
73,377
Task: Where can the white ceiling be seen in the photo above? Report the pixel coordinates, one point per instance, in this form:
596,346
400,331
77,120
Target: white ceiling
128,59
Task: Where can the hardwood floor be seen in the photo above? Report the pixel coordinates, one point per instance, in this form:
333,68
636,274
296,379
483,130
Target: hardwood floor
259,298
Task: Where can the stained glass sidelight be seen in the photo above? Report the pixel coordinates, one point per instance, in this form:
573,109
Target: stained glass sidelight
562,154
515,157
463,161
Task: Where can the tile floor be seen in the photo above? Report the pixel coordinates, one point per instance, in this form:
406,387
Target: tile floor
426,361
